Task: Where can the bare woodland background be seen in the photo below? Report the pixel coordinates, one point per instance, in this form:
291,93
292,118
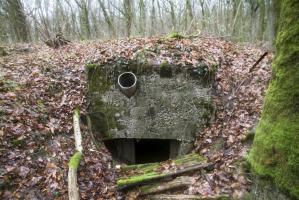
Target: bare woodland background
39,20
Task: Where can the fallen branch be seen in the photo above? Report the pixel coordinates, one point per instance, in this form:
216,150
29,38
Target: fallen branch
125,184
75,159
250,70
257,62
184,196
77,132
238,86
180,182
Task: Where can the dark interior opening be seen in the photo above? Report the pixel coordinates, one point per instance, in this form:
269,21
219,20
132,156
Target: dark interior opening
149,151
139,151
127,79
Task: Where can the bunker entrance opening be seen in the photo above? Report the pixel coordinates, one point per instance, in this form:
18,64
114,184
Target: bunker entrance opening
140,151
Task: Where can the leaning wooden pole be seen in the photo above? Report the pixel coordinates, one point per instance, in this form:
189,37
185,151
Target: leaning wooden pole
75,159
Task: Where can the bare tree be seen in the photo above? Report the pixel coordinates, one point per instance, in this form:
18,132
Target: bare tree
142,17
153,19
247,20
17,19
128,14
262,24
108,19
84,18
188,16
202,3
172,14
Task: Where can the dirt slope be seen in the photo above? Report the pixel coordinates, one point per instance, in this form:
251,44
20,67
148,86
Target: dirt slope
40,87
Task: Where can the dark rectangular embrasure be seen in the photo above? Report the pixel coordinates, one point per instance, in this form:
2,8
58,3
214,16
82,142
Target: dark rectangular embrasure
138,151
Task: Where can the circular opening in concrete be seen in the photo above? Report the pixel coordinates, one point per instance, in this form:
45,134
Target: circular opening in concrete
127,79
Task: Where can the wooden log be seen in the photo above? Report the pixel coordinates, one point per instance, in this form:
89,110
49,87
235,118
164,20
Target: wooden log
179,182
124,184
145,173
75,159
72,176
77,131
180,162
187,197
258,61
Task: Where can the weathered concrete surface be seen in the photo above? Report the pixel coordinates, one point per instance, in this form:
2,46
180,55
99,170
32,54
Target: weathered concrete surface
171,102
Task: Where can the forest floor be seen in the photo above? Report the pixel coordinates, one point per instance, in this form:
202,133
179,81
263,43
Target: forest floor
40,87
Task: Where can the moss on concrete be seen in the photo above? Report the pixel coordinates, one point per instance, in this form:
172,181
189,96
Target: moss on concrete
97,78
148,114
75,160
275,151
165,70
103,117
203,72
101,113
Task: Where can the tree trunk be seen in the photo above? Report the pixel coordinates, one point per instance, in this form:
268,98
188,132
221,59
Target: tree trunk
142,18
173,16
153,19
84,18
161,18
17,20
275,151
262,24
188,16
128,14
236,18
203,20
108,19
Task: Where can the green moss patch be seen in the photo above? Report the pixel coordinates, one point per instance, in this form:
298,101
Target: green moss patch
175,35
275,151
132,174
165,70
75,160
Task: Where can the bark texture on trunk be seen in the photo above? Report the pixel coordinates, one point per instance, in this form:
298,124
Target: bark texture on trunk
275,151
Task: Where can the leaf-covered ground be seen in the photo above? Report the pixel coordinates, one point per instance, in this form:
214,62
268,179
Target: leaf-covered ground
40,87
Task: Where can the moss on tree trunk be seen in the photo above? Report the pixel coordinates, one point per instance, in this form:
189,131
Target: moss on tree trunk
275,151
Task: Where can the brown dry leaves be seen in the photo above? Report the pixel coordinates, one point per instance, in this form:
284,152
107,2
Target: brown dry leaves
40,88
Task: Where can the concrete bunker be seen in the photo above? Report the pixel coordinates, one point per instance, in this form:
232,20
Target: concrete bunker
148,113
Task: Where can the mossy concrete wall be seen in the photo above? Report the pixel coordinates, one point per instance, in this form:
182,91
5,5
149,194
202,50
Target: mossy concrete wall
171,101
